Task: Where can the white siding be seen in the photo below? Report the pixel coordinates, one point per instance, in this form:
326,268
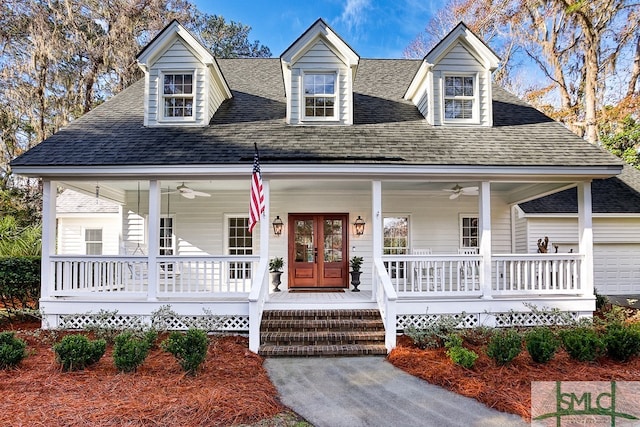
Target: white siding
460,60
521,233
178,57
71,233
321,58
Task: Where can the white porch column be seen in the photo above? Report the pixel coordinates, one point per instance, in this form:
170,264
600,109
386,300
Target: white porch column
265,221
153,231
376,225
484,242
585,237
48,237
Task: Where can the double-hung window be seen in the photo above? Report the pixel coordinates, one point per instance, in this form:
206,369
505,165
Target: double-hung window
167,241
319,95
93,241
468,231
459,98
396,242
177,96
239,242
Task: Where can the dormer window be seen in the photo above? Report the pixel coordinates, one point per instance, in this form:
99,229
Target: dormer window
459,98
319,96
177,96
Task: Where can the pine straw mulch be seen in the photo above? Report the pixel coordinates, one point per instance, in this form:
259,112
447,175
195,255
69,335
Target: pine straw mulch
233,388
506,388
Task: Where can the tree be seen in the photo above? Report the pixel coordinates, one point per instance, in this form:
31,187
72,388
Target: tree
578,45
228,40
61,58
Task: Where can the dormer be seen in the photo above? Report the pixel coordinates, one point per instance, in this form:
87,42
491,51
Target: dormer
452,87
183,82
318,71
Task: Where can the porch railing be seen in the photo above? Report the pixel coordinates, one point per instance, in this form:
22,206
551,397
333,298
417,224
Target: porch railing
434,275
537,273
386,298
459,275
176,276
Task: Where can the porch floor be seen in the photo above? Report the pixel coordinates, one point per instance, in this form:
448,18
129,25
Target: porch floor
320,300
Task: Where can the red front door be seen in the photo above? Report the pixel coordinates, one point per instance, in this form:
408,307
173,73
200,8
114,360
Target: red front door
318,251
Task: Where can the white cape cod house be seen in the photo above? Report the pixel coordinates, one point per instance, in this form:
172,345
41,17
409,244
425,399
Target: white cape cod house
429,154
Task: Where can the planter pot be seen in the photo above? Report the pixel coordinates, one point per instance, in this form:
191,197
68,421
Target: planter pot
275,280
355,280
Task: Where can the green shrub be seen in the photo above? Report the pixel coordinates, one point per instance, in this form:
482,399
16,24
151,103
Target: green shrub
541,344
76,352
457,353
504,346
12,350
462,356
582,343
435,334
19,283
130,351
622,341
190,349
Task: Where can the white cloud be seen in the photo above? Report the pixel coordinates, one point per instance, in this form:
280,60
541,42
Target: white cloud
353,14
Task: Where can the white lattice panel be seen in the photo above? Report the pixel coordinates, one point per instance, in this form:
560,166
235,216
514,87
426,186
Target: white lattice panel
84,321
209,323
422,321
534,318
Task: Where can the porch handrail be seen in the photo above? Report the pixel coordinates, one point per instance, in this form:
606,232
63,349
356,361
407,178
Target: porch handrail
257,299
537,273
75,275
386,298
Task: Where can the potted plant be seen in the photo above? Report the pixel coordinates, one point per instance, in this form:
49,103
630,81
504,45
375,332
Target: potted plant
275,269
356,264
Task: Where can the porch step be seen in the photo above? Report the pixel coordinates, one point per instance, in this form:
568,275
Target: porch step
322,333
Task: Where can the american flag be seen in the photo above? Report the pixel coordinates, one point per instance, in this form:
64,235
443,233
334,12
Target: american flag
256,206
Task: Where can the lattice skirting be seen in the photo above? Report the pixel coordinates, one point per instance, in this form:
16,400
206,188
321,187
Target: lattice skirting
472,320
235,323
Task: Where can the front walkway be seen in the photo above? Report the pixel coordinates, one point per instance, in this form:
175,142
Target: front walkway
370,392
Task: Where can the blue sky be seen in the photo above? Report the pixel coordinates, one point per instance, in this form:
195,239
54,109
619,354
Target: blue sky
373,28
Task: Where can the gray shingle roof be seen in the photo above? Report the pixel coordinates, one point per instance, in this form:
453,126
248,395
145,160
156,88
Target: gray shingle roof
386,129
73,202
620,194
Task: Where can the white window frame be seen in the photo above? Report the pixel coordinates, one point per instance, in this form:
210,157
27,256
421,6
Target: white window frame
462,237
87,242
336,92
233,268
397,270
173,247
475,99
162,96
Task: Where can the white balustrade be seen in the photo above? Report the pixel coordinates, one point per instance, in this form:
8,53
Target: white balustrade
177,276
536,274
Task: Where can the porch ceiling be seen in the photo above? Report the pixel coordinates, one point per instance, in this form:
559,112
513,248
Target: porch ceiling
511,192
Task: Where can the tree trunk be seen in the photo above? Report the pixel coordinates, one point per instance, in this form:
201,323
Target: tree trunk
635,73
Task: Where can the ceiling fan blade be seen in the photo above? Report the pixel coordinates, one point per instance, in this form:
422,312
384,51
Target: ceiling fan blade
454,196
200,194
188,194
469,189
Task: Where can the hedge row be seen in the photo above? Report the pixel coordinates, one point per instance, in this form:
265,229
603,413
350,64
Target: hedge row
19,283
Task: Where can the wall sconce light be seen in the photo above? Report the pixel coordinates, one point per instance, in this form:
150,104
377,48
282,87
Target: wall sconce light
277,226
358,226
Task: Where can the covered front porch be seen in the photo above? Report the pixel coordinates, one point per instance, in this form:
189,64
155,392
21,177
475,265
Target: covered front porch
195,255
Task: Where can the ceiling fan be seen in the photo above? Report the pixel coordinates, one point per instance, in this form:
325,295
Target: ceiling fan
187,192
457,190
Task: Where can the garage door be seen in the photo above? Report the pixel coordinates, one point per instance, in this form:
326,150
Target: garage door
617,269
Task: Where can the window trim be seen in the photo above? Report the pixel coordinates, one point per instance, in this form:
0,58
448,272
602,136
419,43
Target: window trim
463,216
101,241
336,95
174,244
475,109
234,267
162,95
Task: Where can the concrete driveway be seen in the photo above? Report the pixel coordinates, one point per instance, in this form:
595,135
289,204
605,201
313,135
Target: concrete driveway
369,391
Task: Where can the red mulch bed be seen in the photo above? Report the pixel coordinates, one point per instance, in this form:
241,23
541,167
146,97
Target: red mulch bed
233,388
505,388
